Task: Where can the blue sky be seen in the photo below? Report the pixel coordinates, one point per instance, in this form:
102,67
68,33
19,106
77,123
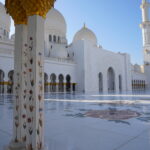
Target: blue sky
115,23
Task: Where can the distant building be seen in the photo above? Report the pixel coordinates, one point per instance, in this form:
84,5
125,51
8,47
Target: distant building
80,66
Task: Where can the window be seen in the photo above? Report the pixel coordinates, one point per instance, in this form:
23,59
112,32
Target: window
4,32
58,39
50,38
7,34
54,38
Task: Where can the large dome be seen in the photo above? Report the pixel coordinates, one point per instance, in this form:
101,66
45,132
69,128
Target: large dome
56,22
85,34
5,19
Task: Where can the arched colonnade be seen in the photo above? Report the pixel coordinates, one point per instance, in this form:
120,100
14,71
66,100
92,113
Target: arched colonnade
110,77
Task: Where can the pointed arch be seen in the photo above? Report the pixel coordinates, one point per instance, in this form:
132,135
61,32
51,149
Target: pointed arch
120,83
111,79
61,83
45,82
100,76
2,75
68,83
11,82
53,82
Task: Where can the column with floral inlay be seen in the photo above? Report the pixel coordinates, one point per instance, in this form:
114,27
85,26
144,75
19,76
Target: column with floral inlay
17,12
36,11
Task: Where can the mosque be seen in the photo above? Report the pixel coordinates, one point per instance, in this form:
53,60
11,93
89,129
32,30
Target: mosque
82,65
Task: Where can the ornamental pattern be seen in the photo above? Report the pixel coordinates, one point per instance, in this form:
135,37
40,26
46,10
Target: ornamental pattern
20,95
16,107
35,98
24,93
28,115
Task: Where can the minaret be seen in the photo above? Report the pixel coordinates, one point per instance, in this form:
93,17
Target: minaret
145,26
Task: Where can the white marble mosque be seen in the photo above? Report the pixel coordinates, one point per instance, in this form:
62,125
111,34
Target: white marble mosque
83,62
38,59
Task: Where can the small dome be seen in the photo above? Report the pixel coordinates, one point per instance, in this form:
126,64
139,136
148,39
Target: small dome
85,34
5,20
56,22
137,68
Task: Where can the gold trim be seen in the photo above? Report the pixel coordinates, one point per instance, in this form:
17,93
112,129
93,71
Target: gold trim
6,83
49,83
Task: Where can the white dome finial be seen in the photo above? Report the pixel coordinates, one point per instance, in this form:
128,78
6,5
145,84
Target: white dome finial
86,35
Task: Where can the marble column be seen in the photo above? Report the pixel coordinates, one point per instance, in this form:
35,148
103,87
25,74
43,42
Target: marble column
57,85
5,87
105,84
116,83
47,86
35,84
19,120
71,89
65,85
5,82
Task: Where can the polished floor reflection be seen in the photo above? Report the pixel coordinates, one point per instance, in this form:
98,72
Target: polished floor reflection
89,121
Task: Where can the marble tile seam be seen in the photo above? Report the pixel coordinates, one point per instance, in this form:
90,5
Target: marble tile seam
109,130
5,132
129,141
114,132
61,133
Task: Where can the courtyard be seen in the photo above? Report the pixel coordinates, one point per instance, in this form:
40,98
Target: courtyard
76,121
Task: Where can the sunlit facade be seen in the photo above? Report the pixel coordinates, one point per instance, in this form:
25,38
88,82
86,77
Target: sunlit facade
83,65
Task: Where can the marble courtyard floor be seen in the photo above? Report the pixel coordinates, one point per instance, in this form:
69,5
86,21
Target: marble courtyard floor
88,121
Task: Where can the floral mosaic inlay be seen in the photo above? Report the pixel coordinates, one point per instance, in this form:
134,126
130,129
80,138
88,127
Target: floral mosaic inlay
112,114
35,97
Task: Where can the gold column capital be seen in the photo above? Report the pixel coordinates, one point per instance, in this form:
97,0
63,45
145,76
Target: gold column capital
37,7
15,9
21,9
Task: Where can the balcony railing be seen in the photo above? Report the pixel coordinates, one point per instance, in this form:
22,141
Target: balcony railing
63,60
